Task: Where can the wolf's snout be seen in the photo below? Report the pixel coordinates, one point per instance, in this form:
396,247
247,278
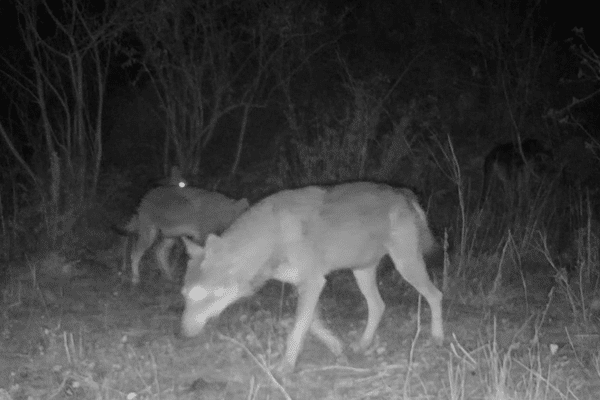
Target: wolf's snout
192,322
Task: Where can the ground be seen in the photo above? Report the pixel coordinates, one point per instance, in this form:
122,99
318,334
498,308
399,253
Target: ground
91,335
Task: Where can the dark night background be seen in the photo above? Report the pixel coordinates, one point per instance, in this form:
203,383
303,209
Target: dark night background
101,98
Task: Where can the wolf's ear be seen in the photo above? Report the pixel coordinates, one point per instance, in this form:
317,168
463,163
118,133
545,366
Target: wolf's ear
242,205
193,249
213,243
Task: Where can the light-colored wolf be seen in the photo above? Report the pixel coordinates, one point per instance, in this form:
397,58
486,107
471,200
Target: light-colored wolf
300,236
177,211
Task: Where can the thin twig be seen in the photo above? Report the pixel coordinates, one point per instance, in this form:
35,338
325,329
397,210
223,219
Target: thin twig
260,364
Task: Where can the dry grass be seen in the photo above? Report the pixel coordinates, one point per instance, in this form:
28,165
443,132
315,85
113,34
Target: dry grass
106,342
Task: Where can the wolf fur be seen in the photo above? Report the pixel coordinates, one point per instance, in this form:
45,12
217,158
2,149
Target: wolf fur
300,236
170,212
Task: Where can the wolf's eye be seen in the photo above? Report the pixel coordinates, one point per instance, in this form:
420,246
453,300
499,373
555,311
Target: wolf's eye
197,293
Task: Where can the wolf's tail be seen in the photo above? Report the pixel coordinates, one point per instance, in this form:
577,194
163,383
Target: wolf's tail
427,242
127,230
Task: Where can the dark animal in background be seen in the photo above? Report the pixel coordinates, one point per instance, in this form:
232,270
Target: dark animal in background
176,210
510,164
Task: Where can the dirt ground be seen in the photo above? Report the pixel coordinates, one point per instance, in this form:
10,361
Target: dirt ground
93,336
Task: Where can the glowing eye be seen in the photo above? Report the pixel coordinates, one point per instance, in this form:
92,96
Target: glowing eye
182,184
197,293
